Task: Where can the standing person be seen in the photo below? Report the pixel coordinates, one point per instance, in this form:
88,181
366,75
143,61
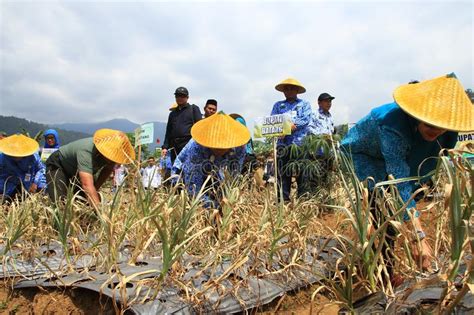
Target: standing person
20,166
404,138
217,147
180,121
119,174
300,111
87,163
51,139
151,174
51,144
210,108
321,124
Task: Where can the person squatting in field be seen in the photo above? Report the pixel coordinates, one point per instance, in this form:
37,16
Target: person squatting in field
217,147
20,167
86,164
300,111
404,138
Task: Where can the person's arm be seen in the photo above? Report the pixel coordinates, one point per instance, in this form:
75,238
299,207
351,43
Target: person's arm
197,114
166,142
104,175
39,181
395,151
303,115
87,184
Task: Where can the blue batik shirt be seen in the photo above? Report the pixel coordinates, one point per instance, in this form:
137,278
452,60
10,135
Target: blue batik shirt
321,123
195,162
300,111
26,171
387,142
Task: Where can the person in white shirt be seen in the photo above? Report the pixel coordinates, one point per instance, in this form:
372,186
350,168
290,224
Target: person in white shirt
151,174
120,171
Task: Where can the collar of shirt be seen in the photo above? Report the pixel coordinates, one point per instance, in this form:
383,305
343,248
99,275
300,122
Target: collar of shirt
322,112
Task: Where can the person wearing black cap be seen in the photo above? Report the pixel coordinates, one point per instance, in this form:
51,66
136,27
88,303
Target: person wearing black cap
210,108
180,121
322,122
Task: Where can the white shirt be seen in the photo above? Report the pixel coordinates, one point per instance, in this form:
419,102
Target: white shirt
151,176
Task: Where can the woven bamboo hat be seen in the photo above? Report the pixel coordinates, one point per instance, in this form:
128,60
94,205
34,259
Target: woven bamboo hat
18,146
220,131
439,102
290,81
114,145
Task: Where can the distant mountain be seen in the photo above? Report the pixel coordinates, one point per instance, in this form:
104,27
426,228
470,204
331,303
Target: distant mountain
122,124
12,125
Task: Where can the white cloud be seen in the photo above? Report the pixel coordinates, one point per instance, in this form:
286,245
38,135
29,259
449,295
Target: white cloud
82,61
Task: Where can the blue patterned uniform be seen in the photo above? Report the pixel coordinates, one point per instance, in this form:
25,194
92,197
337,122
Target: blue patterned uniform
300,112
196,162
321,123
25,171
387,142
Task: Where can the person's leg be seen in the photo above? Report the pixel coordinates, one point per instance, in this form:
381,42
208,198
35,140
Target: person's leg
57,183
388,246
284,173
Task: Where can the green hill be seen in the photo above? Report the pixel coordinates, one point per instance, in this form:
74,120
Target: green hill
12,125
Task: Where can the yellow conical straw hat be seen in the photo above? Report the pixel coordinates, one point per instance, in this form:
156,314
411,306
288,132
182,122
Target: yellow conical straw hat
18,146
114,145
441,102
290,81
220,131
173,106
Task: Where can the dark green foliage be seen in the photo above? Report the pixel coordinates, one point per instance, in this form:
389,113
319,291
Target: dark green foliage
12,125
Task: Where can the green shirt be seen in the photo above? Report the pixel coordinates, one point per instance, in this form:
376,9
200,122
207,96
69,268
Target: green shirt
81,156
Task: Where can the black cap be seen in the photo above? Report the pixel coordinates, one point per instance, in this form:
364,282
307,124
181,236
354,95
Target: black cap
181,91
211,102
325,96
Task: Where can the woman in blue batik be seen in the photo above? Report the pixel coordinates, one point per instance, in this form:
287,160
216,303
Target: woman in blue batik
20,167
217,146
404,138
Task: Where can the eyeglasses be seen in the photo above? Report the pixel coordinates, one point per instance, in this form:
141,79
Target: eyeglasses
50,138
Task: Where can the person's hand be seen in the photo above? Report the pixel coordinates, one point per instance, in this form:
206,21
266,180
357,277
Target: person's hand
33,188
164,152
426,253
293,127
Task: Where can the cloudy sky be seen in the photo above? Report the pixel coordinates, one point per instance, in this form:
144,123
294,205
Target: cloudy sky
78,61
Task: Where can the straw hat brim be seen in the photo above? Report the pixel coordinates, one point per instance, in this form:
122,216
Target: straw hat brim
114,145
290,81
220,131
440,102
18,146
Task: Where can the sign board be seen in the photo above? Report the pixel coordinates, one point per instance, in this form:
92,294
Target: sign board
46,152
144,134
272,126
467,137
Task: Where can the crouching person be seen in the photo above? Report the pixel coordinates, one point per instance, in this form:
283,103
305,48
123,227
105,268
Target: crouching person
217,146
86,164
20,167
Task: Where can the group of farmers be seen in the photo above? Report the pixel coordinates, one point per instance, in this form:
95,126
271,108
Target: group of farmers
393,139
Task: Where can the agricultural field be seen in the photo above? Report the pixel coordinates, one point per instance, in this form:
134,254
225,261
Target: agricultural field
156,251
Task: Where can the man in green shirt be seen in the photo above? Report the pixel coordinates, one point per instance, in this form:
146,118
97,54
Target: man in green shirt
87,163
